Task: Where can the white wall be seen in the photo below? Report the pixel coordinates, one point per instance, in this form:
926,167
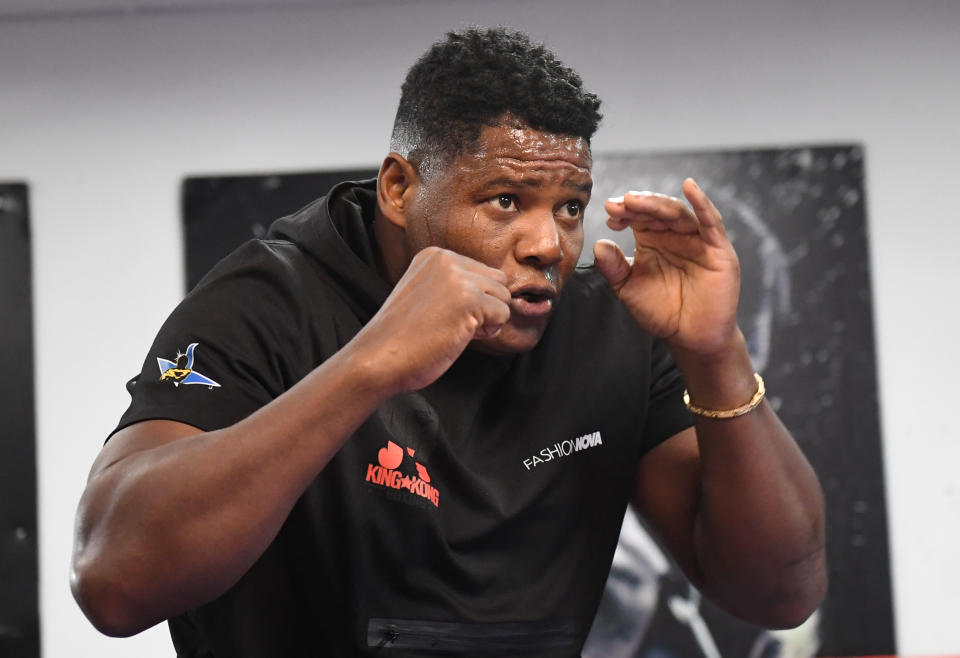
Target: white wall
104,116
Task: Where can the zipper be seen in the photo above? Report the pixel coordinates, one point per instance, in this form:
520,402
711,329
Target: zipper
459,636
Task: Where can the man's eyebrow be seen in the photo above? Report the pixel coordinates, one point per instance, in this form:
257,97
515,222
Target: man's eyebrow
533,181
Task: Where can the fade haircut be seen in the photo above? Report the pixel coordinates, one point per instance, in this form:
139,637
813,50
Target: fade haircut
485,77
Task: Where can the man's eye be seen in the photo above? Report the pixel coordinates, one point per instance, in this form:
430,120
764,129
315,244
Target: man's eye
506,202
572,210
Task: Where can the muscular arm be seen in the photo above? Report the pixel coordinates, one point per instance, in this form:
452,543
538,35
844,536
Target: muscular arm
734,499
172,516
738,505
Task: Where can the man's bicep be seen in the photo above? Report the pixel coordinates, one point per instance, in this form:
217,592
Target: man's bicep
145,435
667,495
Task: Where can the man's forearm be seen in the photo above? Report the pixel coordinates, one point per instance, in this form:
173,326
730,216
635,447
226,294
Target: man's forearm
172,517
759,531
168,527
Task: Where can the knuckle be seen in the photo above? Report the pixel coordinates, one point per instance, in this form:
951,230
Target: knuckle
466,295
434,253
472,323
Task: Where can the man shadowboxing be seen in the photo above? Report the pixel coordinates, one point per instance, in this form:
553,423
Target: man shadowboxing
421,425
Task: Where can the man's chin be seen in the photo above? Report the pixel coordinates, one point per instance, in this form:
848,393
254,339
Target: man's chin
511,339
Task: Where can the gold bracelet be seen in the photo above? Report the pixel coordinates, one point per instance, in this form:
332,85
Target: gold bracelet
729,413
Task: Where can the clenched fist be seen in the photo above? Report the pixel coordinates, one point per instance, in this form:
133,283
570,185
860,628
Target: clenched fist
442,302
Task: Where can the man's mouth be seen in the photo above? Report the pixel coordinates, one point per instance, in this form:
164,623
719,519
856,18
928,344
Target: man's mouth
533,301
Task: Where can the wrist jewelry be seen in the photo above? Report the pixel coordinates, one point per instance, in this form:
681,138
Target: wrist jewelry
729,413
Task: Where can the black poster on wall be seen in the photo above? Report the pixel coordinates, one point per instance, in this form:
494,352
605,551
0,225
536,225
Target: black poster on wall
798,221
219,213
19,613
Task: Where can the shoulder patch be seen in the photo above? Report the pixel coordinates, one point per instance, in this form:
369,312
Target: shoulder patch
180,370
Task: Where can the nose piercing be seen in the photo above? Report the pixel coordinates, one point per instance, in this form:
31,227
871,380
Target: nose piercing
551,275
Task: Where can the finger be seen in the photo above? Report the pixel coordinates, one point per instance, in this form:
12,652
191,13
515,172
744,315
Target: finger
487,279
711,221
609,260
452,259
476,267
492,286
492,273
654,203
679,249
646,222
494,314
655,211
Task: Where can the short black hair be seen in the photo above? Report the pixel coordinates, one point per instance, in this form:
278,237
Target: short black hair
482,77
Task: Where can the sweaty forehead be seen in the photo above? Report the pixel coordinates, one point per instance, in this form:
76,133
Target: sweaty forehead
518,155
529,145
508,154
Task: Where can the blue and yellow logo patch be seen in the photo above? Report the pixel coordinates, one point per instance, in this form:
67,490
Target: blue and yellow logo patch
180,371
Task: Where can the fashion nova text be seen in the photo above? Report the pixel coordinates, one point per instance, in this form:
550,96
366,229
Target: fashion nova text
563,448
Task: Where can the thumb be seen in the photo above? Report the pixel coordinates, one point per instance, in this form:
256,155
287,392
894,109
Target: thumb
612,264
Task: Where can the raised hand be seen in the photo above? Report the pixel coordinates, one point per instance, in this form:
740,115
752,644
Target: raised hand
684,279
442,302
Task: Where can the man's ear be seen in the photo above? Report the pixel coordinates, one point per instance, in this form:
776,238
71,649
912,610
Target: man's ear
397,185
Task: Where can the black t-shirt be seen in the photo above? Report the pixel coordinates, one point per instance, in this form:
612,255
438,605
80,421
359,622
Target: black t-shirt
477,515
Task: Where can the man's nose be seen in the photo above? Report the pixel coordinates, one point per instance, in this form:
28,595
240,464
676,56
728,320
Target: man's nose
539,242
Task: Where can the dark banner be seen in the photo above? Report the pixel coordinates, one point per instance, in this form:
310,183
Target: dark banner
221,212
19,612
798,221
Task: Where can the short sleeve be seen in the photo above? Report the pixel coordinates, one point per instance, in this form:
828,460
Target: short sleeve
232,345
666,413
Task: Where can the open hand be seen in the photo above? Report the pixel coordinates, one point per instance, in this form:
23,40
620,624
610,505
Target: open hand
684,279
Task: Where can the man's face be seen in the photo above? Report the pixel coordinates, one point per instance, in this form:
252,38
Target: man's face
515,203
